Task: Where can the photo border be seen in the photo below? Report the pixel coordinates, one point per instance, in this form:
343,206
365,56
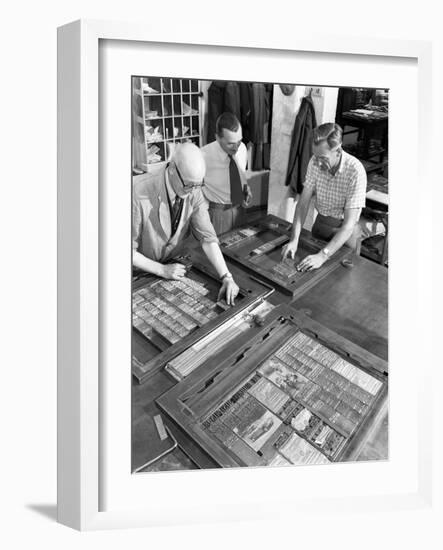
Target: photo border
79,253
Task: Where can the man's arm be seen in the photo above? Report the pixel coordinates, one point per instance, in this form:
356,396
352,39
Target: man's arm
352,215
205,233
301,211
247,193
315,261
167,271
229,288
242,162
139,260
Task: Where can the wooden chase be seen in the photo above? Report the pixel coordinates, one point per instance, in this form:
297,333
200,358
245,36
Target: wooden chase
293,393
170,316
257,248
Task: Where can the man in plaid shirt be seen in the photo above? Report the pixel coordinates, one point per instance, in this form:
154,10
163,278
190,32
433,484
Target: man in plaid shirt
337,180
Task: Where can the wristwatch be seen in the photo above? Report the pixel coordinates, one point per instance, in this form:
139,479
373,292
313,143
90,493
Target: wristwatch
326,252
227,275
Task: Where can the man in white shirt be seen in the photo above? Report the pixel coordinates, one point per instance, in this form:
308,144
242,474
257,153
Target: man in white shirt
226,187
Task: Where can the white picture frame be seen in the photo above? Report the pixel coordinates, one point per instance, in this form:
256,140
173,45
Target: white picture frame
82,297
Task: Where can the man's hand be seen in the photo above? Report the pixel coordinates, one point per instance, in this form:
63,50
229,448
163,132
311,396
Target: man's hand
289,250
173,271
314,261
229,290
248,195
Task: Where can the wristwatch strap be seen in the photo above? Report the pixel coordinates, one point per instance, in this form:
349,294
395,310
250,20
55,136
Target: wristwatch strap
326,252
227,275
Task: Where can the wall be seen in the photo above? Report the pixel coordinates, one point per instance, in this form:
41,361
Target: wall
285,109
204,87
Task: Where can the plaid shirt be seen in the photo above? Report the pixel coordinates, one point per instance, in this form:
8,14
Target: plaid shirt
335,193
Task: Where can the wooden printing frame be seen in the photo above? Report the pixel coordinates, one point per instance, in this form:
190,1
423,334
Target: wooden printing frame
251,290
214,380
294,289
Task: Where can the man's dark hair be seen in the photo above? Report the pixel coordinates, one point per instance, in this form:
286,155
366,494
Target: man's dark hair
329,132
226,121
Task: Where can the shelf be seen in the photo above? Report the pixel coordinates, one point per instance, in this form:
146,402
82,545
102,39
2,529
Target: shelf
160,110
158,94
358,153
374,152
183,137
370,166
177,138
168,116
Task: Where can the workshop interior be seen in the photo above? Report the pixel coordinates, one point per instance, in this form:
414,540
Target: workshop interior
295,370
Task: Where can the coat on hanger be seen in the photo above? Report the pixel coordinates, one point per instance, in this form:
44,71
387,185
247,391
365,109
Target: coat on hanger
300,151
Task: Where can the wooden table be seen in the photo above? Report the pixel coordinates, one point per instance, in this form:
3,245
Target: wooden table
350,301
354,303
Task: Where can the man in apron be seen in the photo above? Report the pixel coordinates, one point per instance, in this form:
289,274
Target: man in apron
165,207
337,181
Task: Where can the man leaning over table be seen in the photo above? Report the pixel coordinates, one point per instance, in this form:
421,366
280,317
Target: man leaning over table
337,181
168,204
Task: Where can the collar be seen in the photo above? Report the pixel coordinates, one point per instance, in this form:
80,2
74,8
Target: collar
169,190
339,168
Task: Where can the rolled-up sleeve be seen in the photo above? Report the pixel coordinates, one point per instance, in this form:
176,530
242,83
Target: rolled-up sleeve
356,192
200,221
310,179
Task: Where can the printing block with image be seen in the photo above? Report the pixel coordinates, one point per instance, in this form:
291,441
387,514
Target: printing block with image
296,393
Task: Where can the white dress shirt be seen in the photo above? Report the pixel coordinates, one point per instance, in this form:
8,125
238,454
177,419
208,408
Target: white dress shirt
217,186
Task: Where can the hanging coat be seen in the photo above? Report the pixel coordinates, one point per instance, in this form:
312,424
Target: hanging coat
300,151
260,127
232,99
216,99
246,109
